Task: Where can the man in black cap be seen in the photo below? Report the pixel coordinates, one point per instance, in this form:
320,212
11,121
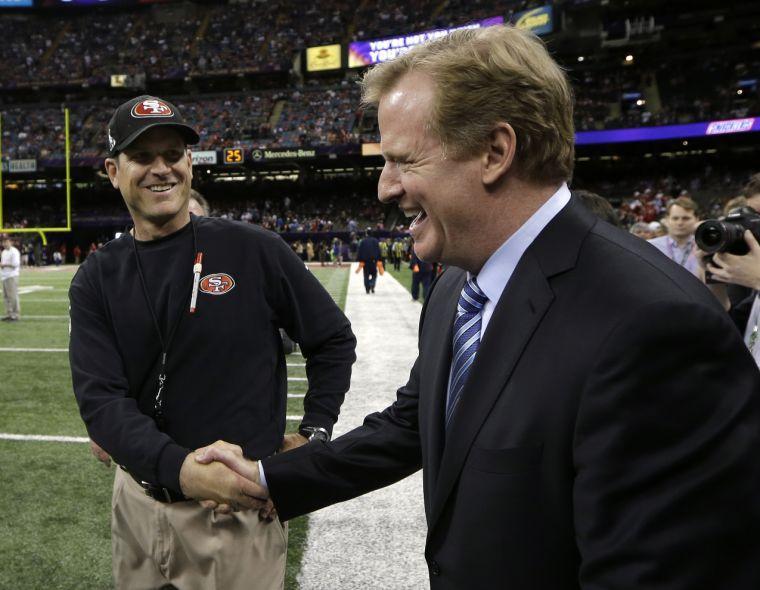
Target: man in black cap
175,344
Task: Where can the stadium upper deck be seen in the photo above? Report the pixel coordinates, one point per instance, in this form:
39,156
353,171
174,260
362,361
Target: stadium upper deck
632,64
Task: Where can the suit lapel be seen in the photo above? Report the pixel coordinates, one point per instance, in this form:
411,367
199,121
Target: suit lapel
437,346
518,313
525,301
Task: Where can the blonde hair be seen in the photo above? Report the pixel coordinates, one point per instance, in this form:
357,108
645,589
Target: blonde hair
487,76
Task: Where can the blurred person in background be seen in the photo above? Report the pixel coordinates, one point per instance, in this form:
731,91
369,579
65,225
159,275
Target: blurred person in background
598,205
368,255
752,192
678,245
640,229
657,229
198,204
422,276
10,270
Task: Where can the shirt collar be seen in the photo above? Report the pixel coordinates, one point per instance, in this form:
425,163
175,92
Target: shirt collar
674,244
498,269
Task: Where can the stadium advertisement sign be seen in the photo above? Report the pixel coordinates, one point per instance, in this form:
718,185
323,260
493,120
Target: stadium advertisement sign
367,53
326,57
746,125
22,166
204,158
267,155
86,2
15,3
539,21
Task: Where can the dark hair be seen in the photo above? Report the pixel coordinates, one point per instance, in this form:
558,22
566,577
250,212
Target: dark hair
598,205
752,188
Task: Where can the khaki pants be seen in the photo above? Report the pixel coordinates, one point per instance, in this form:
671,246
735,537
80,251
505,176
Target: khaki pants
190,547
10,296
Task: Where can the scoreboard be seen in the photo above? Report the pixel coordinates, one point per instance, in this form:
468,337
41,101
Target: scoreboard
234,155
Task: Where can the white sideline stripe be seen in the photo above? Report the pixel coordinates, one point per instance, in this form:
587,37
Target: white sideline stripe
33,288
297,418
34,349
44,317
61,300
296,395
44,438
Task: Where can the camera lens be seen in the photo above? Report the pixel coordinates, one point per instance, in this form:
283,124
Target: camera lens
710,236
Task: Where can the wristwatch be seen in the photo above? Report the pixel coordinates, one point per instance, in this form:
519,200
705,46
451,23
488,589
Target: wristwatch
312,433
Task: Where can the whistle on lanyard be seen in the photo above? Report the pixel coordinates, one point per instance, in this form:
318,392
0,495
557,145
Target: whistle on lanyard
197,268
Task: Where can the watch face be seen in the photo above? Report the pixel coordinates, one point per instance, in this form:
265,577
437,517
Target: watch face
314,433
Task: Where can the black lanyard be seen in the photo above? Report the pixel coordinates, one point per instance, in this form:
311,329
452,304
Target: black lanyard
158,403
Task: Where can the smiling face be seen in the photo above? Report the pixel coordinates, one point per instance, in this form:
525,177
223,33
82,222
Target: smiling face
444,195
153,175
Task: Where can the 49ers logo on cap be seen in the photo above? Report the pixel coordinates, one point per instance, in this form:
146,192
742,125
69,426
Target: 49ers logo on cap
217,284
152,107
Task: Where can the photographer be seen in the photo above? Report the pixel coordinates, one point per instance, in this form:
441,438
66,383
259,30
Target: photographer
730,269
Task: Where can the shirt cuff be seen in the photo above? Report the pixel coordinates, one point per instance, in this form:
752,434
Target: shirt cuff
262,477
169,464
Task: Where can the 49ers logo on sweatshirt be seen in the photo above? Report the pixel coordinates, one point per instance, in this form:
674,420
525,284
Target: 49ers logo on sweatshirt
218,283
152,108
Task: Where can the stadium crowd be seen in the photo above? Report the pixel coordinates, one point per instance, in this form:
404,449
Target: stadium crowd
176,42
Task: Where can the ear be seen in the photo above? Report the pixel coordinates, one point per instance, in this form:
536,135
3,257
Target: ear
500,153
111,170
189,161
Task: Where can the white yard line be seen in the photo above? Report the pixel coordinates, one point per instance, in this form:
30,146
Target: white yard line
378,540
33,289
43,438
66,439
44,317
34,349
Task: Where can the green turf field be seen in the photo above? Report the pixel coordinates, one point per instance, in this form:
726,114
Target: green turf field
55,497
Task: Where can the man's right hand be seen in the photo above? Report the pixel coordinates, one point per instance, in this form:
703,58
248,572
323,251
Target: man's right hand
210,479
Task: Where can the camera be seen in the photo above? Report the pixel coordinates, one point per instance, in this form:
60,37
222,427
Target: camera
727,234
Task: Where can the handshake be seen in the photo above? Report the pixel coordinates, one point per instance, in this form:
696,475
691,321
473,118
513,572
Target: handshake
221,478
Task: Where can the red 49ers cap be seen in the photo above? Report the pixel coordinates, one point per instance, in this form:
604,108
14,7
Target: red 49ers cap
136,116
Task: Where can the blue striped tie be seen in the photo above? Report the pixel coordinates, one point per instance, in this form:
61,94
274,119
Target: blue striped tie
466,341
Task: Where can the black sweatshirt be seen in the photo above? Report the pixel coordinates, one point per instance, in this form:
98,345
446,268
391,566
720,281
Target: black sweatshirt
226,371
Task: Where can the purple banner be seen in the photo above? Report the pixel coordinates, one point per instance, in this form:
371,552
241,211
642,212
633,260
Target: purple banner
702,129
366,53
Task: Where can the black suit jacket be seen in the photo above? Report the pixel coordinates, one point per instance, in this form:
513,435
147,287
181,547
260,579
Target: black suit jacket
608,436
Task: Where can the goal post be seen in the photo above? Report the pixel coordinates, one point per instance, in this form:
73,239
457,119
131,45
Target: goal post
67,184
